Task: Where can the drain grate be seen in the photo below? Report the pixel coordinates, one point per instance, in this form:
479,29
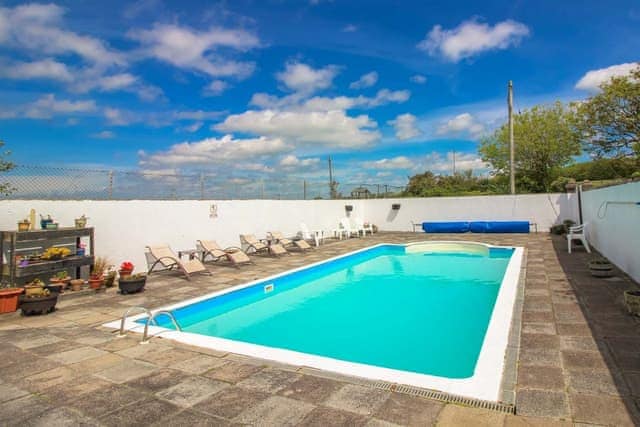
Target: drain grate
446,397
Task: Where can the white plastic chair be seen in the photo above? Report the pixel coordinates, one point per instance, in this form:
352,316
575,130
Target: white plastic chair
576,232
344,229
317,235
362,227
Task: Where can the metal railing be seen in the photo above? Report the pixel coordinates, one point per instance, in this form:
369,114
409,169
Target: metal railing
62,183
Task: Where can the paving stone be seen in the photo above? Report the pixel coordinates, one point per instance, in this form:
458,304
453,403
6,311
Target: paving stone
311,389
126,370
573,329
539,328
159,380
574,359
232,371
190,418
633,379
578,343
537,316
10,392
25,366
56,347
276,410
540,357
27,342
454,415
539,403
230,401
269,380
97,364
77,355
603,410
118,344
72,390
144,412
518,421
199,364
540,377
409,410
61,417
595,382
167,356
51,378
323,416
16,412
106,399
375,422
359,399
191,391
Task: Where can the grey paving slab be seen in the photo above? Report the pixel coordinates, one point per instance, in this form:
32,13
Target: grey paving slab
191,391
144,412
358,399
231,401
276,410
269,380
76,355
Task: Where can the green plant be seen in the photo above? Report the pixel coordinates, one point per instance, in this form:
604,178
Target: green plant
99,266
600,261
61,275
635,175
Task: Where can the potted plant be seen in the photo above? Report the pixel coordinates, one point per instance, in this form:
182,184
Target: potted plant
126,269
81,222
132,283
96,278
9,299
601,267
76,284
632,301
24,225
61,280
54,253
45,221
37,299
110,278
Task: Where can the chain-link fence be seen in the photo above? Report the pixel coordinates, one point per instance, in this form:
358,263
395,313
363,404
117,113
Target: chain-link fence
58,183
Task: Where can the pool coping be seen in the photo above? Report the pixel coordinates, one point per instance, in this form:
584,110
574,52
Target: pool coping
486,384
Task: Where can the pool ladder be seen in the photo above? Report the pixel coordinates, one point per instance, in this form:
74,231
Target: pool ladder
151,317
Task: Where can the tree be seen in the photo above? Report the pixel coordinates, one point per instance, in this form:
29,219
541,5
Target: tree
5,188
545,140
462,183
610,120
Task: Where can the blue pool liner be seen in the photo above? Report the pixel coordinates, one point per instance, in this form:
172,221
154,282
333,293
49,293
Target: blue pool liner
476,226
446,227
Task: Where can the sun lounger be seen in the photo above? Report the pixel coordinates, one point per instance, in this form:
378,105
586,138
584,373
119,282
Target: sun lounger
278,237
165,257
250,244
210,248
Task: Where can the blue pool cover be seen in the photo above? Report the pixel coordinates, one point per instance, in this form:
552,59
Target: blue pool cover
476,226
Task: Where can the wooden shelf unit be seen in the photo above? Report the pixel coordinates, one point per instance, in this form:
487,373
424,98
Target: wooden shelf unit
12,243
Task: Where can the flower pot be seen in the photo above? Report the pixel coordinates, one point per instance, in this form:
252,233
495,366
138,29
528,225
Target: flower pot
63,283
81,222
131,286
601,269
95,282
38,305
9,299
76,284
109,281
24,226
125,274
632,301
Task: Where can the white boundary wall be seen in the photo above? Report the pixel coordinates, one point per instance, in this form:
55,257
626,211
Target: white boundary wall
123,228
615,232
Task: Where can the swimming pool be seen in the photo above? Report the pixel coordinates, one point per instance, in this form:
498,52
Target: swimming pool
433,314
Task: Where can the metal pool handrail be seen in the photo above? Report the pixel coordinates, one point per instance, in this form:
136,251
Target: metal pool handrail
152,317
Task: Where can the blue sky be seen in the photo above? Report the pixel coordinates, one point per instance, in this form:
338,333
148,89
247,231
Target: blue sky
272,88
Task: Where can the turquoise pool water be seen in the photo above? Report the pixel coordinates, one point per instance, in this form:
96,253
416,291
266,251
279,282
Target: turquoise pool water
419,312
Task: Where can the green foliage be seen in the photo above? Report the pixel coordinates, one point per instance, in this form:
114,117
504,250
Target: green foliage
600,169
5,188
559,185
460,184
610,120
545,140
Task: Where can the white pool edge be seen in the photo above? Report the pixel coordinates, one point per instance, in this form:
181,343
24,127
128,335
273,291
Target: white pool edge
484,384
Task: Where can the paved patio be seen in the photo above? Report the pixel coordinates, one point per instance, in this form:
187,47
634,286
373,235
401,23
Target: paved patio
579,359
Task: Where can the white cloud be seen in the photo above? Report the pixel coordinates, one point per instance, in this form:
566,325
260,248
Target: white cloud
302,78
472,37
418,79
118,117
443,164
463,123
405,126
105,134
42,69
117,81
296,102
194,127
187,48
48,106
350,28
215,88
592,80
214,151
366,80
292,162
330,128
400,162
37,27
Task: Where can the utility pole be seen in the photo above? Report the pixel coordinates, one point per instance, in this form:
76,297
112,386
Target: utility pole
512,151
333,190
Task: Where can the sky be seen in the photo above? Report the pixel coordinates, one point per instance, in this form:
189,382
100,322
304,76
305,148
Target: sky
272,88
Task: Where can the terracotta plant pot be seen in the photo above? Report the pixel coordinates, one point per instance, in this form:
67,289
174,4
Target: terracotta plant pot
9,299
62,282
76,284
632,301
96,282
125,274
24,226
